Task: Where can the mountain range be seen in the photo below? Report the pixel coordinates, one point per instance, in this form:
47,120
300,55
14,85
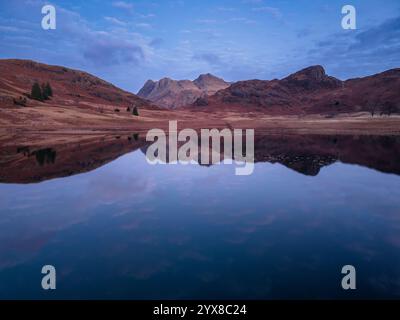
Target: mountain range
83,97
310,91
172,94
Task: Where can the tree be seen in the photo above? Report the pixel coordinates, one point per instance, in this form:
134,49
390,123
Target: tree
372,106
389,108
45,95
36,92
49,90
135,111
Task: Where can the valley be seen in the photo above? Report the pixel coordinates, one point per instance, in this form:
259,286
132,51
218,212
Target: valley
308,101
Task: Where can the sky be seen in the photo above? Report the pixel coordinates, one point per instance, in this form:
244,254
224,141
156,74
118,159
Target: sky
129,42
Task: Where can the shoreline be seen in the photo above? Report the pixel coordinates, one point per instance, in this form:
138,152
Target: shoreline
359,125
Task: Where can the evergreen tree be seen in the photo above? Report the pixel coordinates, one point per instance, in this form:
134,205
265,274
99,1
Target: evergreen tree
36,92
45,95
135,111
49,90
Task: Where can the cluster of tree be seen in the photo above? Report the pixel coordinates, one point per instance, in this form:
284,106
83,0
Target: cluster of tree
387,108
390,108
45,156
41,93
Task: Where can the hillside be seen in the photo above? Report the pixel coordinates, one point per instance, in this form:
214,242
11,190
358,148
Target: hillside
79,98
72,87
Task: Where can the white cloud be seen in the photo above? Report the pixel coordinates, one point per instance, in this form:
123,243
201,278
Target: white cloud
115,21
123,5
144,25
147,16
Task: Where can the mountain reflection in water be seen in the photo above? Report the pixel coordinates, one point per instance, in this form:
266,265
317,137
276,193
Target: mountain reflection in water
305,154
116,227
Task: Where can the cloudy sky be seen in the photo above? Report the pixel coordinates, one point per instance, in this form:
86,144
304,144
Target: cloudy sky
128,42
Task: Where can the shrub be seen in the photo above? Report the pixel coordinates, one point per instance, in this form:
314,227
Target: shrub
20,101
135,111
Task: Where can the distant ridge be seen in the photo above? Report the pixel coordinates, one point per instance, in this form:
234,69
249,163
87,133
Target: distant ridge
172,94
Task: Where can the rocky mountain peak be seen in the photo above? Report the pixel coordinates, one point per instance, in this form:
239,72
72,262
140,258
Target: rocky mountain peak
312,78
175,93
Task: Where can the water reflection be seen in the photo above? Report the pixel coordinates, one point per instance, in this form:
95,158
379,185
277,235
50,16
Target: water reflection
68,156
125,229
305,154
43,156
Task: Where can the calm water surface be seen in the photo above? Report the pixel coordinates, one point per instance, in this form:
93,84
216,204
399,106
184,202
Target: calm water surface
128,230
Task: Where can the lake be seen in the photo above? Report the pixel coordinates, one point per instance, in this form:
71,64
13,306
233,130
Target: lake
115,227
